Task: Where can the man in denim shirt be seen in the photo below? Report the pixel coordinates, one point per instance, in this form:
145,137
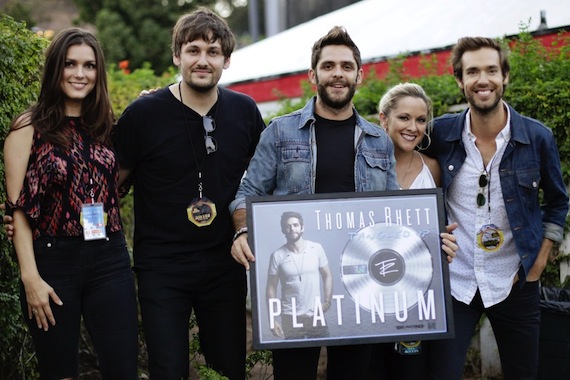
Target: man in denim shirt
494,162
323,148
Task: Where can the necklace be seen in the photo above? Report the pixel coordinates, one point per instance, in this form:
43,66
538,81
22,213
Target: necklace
408,169
201,211
299,272
488,175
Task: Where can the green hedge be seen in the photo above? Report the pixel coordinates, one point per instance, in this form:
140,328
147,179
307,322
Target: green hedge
20,65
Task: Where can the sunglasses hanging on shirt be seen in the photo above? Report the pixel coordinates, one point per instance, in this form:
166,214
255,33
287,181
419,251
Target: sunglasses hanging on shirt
209,125
490,237
201,211
483,182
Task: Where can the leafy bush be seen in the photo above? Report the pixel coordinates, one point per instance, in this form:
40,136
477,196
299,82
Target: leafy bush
20,70
538,88
125,86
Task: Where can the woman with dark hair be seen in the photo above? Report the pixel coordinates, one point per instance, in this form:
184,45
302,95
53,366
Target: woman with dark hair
62,184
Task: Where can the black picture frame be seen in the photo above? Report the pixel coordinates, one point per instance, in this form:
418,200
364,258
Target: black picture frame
390,275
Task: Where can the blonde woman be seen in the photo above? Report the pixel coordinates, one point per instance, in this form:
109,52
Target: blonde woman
405,113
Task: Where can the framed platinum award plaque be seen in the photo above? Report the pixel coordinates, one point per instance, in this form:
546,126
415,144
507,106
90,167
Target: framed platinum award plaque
348,268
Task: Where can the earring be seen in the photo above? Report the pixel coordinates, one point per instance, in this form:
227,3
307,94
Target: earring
420,145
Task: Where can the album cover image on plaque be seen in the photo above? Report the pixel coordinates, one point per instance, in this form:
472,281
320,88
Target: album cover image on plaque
379,252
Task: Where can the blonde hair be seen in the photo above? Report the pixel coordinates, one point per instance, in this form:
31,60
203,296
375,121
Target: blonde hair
401,90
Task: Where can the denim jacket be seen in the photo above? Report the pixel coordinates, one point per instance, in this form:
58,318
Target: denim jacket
284,162
530,163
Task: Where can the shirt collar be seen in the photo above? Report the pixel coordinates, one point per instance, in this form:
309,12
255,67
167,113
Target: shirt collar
504,134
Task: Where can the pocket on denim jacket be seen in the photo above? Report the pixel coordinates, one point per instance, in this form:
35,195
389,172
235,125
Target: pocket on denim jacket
375,160
529,182
296,153
296,161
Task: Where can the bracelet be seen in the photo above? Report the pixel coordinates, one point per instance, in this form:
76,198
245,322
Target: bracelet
241,231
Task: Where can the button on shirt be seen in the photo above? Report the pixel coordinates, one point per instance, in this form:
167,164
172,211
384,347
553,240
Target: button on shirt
475,268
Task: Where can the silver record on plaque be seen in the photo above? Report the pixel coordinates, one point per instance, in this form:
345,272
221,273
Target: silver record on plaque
387,264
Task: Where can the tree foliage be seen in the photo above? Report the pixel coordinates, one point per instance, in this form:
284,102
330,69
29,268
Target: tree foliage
136,30
19,11
539,87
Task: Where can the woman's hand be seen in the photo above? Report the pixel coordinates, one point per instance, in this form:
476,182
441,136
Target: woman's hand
38,295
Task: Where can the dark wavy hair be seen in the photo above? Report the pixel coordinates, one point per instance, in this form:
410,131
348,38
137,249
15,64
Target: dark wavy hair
336,36
47,115
466,44
290,214
202,24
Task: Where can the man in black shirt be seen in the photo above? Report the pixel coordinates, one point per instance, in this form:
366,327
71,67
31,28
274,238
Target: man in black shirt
186,147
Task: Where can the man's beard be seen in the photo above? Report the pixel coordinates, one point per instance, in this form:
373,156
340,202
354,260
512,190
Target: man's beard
336,104
200,88
485,109
199,85
294,237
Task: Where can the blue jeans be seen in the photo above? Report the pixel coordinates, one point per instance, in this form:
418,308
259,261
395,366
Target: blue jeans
94,280
516,324
218,300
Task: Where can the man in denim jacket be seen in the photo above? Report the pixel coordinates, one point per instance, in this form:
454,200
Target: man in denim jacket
494,162
324,147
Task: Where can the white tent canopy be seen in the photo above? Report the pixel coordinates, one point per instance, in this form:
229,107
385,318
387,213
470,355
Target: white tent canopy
385,28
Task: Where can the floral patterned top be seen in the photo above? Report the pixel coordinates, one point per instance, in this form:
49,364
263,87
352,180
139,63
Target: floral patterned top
58,181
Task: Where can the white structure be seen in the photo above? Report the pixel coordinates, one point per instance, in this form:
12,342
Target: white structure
385,28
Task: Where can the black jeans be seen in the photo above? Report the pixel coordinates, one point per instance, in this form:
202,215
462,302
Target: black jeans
218,300
343,362
516,325
94,280
388,364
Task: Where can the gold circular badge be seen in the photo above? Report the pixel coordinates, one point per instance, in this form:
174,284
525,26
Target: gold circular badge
201,212
490,238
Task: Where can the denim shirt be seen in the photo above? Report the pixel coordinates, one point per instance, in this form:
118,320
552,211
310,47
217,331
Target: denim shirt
529,163
284,162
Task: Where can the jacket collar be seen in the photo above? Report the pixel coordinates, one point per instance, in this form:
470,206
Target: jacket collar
519,132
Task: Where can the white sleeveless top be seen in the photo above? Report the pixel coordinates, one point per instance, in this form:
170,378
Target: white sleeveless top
424,179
